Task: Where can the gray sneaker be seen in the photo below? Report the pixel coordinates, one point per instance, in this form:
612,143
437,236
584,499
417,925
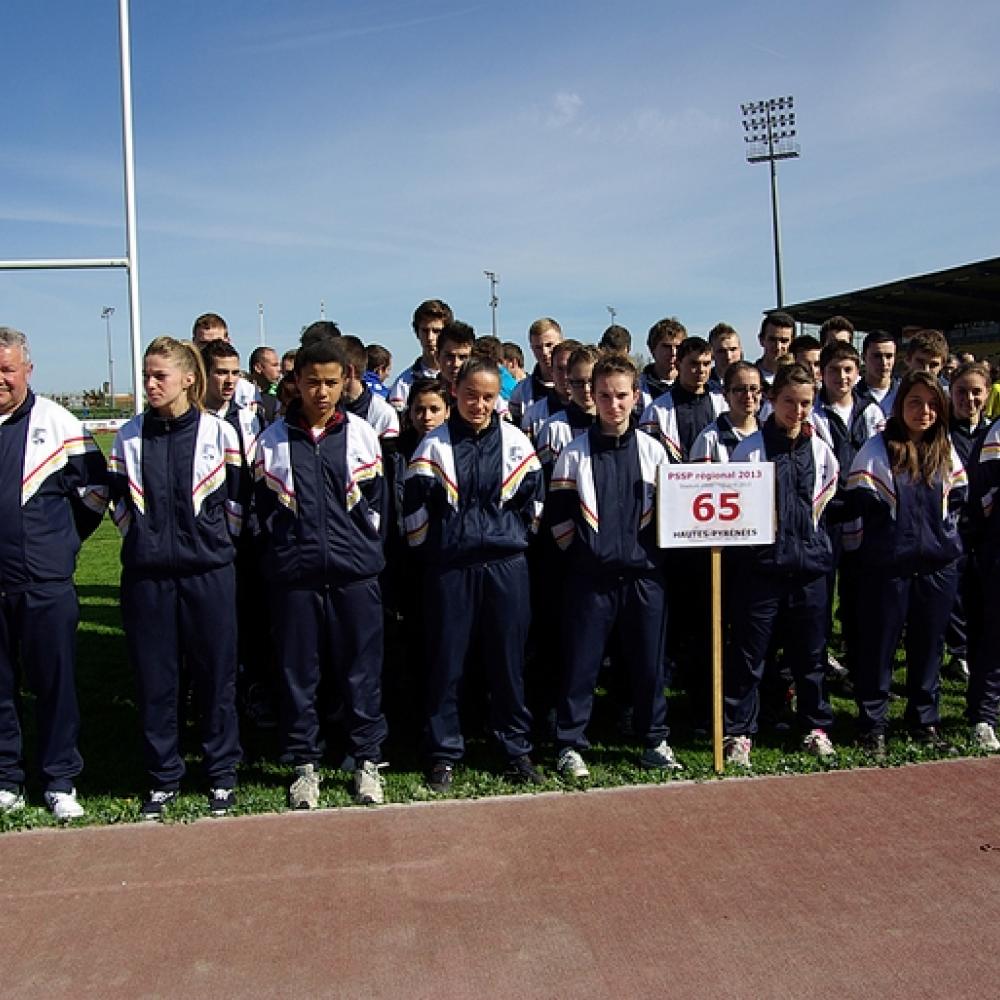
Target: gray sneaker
736,750
660,756
571,766
369,785
304,790
819,744
11,801
63,805
984,737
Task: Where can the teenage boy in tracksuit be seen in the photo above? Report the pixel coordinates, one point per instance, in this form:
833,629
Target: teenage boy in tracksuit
320,499
676,419
845,421
601,511
255,685
429,319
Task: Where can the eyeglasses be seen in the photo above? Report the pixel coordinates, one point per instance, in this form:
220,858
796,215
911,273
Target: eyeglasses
745,390
578,383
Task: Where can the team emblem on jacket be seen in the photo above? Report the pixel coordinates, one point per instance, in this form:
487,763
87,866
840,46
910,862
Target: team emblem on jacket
208,453
38,435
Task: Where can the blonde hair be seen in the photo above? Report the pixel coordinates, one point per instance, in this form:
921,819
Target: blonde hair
187,357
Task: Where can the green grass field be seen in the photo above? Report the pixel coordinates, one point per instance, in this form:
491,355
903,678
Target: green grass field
113,783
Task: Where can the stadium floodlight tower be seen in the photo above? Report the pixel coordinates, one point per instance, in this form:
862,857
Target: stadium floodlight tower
769,128
494,301
106,313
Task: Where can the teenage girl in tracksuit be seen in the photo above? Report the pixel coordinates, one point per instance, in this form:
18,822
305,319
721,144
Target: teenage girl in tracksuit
907,485
787,578
175,487
473,496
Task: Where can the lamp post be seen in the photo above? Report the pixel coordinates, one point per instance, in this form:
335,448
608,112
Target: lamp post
612,312
494,301
106,313
260,323
769,128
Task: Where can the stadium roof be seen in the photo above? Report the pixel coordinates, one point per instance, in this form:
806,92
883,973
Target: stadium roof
940,300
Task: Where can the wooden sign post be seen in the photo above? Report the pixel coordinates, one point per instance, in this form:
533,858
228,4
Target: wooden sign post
714,506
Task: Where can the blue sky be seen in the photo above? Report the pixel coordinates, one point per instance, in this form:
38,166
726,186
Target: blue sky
371,155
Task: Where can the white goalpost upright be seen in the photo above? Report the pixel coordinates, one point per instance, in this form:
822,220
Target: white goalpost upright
130,262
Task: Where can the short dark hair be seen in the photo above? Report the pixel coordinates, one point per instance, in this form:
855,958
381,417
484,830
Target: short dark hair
693,345
354,351
721,330
669,327
321,350
835,324
216,349
432,309
585,354
488,346
567,346
616,339
435,384
615,364
779,319
206,321
932,341
458,333
838,350
377,356
804,342
877,337
512,352
320,329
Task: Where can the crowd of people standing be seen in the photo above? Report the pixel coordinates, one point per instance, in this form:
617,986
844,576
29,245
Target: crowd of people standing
271,525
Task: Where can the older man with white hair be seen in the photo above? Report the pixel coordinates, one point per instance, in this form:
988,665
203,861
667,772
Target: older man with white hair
53,493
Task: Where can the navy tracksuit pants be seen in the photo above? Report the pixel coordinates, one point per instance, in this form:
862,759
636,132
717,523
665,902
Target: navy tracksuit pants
336,628
38,630
921,602
487,607
753,611
190,617
635,606
982,602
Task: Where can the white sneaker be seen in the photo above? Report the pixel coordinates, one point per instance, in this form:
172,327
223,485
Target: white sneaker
10,801
660,756
369,785
63,805
984,737
571,766
818,744
736,750
304,790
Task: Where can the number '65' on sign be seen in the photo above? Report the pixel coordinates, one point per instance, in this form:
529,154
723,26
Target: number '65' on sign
705,505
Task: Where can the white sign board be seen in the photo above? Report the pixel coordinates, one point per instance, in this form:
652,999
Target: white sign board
707,504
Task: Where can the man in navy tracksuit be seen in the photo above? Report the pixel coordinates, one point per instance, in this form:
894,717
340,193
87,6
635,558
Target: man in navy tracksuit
320,501
473,495
601,510
53,493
